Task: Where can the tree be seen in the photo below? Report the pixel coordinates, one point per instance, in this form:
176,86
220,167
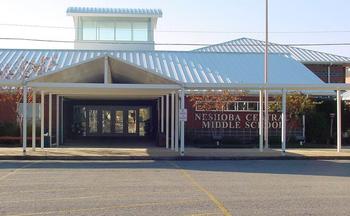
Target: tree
23,69
298,104
215,101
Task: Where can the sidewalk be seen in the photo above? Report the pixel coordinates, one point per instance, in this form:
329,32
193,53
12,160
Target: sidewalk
157,153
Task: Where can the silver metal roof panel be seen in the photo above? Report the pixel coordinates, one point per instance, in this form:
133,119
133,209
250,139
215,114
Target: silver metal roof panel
247,45
184,67
140,12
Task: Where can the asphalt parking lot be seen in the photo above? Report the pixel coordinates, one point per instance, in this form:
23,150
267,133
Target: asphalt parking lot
287,187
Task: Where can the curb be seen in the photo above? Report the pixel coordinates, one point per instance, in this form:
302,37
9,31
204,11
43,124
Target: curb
178,158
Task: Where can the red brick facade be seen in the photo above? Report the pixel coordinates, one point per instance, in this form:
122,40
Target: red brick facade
8,110
337,72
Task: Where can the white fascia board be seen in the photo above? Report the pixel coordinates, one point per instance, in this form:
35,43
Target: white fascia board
11,83
295,87
52,85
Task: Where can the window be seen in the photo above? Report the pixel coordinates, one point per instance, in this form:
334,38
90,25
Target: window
228,106
253,106
89,30
115,30
123,31
140,31
106,31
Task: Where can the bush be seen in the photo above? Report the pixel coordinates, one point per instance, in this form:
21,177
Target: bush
317,128
9,129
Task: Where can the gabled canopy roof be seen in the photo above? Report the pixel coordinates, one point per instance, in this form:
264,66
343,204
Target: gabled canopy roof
181,67
247,45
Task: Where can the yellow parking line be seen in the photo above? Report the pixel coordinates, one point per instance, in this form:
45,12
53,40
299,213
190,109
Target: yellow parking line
182,201
15,170
211,196
205,214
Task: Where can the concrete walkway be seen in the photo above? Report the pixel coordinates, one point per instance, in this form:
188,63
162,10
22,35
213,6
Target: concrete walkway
158,153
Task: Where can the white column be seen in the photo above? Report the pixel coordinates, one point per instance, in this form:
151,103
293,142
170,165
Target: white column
339,129
261,121
62,122
182,125
167,122
42,116
172,121
266,119
57,120
266,67
34,121
162,114
284,121
176,122
50,118
24,125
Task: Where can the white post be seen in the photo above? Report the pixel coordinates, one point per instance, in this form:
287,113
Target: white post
50,119
34,121
57,119
266,75
167,122
24,126
62,122
176,122
182,125
162,114
284,121
339,129
42,122
261,121
172,120
304,136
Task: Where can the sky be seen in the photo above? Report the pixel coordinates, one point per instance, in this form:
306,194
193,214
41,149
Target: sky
224,19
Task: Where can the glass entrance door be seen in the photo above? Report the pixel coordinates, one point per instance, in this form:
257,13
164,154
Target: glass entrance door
113,120
132,121
119,122
106,123
92,122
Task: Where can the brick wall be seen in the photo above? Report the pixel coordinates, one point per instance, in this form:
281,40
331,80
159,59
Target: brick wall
337,74
8,110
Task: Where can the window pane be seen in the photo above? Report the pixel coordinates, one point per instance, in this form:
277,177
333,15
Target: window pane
106,31
89,30
92,121
132,121
253,106
119,121
144,121
123,31
140,31
106,121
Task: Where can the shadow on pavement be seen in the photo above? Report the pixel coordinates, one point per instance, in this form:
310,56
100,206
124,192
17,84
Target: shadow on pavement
290,167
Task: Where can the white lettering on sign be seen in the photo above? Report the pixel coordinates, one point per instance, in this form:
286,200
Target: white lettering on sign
235,120
183,115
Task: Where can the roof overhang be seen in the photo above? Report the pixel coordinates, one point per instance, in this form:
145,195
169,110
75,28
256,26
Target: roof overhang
114,12
288,87
105,89
11,83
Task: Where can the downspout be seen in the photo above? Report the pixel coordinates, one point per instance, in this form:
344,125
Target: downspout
329,73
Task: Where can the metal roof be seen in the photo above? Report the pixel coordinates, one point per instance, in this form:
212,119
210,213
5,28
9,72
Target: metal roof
184,67
248,45
140,12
